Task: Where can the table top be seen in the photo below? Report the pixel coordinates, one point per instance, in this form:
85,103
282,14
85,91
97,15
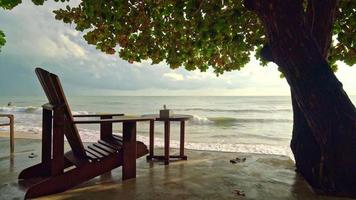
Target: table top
174,117
116,119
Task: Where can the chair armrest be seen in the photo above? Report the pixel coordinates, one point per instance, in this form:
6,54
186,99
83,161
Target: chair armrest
100,115
49,106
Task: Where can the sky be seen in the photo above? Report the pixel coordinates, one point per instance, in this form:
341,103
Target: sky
36,39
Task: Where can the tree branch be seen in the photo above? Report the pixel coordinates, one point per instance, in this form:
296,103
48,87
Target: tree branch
266,53
249,5
319,17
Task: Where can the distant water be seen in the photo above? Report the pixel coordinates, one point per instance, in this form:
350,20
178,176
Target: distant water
244,124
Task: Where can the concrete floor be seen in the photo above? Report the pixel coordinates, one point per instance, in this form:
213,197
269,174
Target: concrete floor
206,175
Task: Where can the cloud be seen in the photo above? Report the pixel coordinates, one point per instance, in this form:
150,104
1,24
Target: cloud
174,76
35,38
72,47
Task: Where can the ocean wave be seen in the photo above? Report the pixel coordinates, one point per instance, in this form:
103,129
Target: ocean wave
80,113
229,121
88,135
237,110
197,120
243,148
223,147
16,109
32,109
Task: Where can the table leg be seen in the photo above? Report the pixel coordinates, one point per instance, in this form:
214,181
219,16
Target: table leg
182,132
166,141
12,143
106,129
129,150
152,126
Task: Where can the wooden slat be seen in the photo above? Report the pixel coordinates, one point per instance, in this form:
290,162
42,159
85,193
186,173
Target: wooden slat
71,159
110,145
117,137
94,153
102,152
91,156
54,92
105,148
4,124
117,142
73,134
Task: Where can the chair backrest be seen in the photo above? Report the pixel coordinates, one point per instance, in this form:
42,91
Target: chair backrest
55,95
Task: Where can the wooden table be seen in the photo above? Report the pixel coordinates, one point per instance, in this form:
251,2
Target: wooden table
166,157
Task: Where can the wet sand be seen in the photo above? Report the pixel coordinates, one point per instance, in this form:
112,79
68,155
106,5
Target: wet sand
206,175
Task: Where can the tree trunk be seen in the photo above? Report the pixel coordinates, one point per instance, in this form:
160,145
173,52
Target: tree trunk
305,149
327,149
319,19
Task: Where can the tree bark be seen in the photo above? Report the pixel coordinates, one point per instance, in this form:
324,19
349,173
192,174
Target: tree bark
319,17
328,161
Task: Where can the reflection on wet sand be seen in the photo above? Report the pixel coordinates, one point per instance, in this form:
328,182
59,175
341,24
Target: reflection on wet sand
206,175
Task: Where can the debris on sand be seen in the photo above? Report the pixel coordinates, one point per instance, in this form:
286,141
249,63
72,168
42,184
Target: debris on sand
32,155
239,192
237,160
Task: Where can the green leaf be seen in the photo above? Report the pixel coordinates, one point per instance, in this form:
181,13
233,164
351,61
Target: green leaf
216,34
2,39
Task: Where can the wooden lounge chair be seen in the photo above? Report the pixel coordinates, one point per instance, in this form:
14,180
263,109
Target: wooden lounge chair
61,171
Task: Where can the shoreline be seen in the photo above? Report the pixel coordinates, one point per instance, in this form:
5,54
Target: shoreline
159,144
21,135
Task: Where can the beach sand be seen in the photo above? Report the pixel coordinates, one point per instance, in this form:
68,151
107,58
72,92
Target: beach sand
206,175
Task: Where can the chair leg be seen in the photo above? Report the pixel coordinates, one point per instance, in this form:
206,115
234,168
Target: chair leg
72,177
39,170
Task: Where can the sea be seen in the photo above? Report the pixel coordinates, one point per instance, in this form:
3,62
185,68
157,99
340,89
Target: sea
252,124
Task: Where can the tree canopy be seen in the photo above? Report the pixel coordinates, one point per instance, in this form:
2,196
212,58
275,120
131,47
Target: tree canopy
195,34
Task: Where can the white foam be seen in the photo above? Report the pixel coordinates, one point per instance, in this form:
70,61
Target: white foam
80,113
16,109
197,120
31,109
88,135
244,148
26,129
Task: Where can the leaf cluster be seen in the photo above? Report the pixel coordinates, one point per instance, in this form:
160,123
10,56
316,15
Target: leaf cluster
2,39
10,4
195,34
344,44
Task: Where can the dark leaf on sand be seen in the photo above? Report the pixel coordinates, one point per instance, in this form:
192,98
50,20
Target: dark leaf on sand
237,160
238,192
